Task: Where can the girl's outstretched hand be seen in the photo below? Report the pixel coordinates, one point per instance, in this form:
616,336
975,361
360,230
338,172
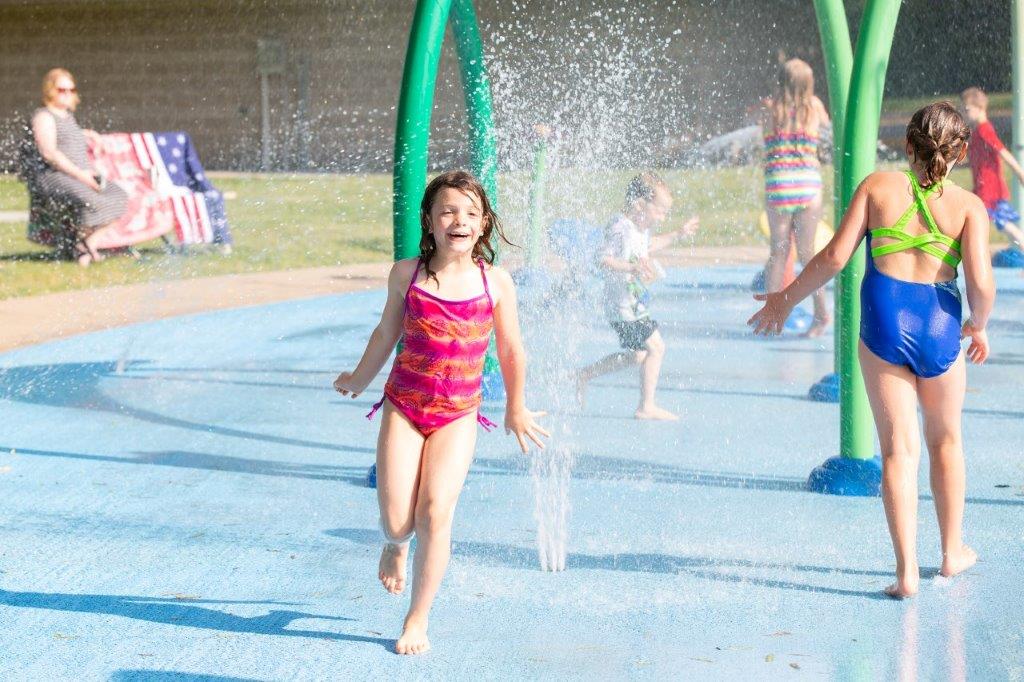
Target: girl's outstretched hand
524,425
978,350
344,385
771,318
690,227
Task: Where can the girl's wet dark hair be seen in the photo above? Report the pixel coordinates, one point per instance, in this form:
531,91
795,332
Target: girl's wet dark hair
643,187
937,135
467,184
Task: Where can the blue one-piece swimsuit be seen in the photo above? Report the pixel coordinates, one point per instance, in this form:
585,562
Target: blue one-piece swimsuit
909,323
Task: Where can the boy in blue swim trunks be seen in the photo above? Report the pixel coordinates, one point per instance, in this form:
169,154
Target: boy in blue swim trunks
628,269
987,154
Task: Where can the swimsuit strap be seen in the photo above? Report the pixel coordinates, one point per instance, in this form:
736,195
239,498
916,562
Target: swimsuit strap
924,242
487,289
920,198
415,274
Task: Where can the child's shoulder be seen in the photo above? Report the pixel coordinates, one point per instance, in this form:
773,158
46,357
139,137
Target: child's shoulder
402,271
496,272
499,281
884,179
620,223
961,195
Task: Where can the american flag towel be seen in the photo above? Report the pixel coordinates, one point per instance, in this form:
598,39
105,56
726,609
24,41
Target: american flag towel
156,204
175,160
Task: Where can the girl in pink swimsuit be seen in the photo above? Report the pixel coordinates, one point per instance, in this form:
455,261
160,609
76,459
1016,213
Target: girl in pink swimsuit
444,306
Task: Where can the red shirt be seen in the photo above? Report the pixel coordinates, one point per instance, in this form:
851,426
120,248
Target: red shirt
986,166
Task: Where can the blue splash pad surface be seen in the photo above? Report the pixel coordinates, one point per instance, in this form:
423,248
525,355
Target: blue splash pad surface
202,514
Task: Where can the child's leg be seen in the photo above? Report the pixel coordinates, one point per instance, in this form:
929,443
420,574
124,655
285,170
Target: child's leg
942,400
893,396
399,448
447,455
1014,234
779,229
650,370
606,365
806,226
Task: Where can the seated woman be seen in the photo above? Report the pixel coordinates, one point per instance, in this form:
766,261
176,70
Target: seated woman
64,171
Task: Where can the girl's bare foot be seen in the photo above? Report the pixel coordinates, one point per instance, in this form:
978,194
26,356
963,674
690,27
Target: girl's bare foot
818,327
655,412
906,584
958,562
414,638
392,567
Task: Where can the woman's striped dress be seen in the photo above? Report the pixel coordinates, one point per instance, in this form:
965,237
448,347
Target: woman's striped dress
97,208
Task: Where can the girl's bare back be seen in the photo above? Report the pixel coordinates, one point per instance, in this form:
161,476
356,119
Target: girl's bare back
889,196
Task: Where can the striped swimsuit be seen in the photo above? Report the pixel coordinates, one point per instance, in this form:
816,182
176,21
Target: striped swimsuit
792,173
439,368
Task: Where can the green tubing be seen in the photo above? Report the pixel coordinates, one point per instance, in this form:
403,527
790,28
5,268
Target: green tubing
477,88
1017,22
835,43
412,132
415,104
533,244
860,140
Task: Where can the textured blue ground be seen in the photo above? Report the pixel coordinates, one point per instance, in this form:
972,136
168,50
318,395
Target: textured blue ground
198,513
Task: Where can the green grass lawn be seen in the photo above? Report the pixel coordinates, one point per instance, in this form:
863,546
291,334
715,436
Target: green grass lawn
278,222
283,222
997,102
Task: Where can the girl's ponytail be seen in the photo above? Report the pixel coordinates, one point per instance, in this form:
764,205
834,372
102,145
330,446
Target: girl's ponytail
937,135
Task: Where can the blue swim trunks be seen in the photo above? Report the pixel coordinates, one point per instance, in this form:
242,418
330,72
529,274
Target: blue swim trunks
1003,213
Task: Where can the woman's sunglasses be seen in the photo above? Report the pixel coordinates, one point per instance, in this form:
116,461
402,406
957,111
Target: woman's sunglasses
66,91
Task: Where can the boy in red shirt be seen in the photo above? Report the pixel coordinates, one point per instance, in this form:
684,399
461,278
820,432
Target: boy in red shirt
987,154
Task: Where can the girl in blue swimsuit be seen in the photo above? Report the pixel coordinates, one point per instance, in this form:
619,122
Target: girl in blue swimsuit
911,324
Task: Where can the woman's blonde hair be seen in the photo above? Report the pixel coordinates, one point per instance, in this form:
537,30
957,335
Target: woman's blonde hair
50,85
795,94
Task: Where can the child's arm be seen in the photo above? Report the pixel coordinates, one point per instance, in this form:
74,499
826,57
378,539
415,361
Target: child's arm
620,264
385,335
660,241
1011,161
512,358
822,111
981,290
822,268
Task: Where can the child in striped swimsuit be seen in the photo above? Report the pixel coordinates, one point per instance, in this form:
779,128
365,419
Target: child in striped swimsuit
443,305
792,176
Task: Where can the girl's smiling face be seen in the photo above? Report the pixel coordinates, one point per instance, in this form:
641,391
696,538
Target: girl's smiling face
456,220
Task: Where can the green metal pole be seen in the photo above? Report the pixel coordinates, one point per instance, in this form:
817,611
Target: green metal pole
412,132
477,88
835,42
1017,22
860,144
415,104
533,245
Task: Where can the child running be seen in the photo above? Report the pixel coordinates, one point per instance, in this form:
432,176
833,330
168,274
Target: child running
792,177
443,305
910,324
987,155
629,268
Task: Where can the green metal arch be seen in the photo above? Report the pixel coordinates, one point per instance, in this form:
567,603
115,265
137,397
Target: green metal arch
860,139
416,102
